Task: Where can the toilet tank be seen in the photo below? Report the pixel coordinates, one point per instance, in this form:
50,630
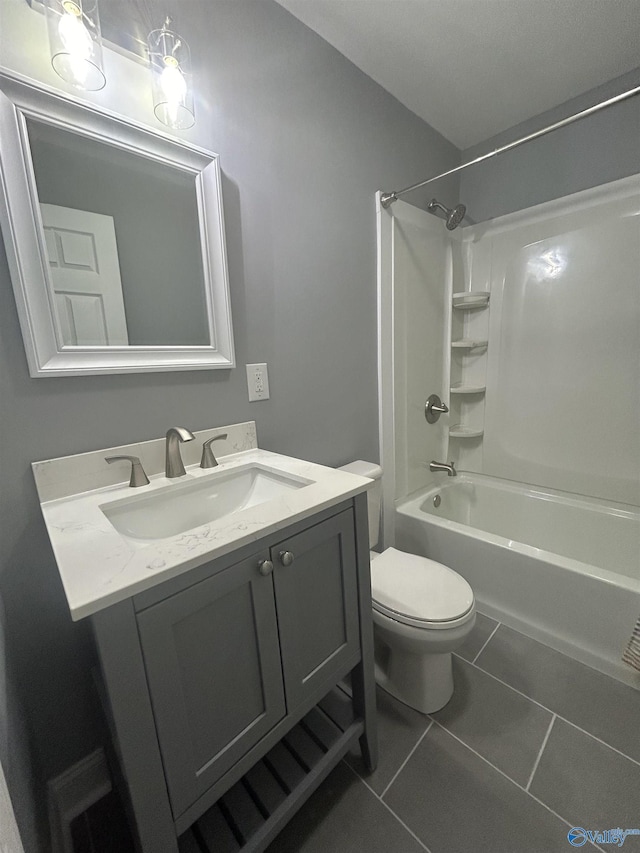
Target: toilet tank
374,495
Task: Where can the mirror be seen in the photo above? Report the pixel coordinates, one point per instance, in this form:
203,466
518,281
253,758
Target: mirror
115,240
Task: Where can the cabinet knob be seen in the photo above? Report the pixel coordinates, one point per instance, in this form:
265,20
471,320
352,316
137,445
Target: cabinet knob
286,558
265,567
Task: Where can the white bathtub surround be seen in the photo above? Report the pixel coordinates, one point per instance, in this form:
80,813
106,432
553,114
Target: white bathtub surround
556,350
562,402
99,566
414,317
560,345
576,589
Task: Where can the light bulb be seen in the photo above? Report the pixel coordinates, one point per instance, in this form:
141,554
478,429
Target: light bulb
74,35
174,87
76,42
170,63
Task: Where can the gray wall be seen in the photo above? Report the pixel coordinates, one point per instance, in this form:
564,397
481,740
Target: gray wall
305,140
598,149
14,750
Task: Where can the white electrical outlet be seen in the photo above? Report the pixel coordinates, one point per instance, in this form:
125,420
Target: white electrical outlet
258,382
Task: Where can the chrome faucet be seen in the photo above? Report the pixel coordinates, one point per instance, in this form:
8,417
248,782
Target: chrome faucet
174,466
443,466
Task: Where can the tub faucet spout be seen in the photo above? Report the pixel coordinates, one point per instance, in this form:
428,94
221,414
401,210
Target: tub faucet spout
443,466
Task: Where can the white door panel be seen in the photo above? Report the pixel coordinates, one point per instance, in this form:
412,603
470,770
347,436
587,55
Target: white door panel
85,271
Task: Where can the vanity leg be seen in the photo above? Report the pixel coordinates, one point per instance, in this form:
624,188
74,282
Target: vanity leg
131,717
363,676
364,704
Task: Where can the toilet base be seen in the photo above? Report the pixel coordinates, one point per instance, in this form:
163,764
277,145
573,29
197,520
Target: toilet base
423,682
414,664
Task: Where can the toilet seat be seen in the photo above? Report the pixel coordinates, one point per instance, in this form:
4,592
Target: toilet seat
420,592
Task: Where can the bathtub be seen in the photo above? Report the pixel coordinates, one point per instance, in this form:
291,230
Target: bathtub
562,569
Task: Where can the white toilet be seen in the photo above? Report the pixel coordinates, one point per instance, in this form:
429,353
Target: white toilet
422,611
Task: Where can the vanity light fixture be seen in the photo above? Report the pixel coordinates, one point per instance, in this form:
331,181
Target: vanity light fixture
75,42
171,69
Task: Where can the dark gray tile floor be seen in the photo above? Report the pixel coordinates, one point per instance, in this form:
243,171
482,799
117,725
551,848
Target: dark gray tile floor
583,779
478,638
399,730
501,725
591,700
532,744
455,801
344,816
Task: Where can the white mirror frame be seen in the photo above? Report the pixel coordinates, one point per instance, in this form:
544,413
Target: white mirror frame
23,233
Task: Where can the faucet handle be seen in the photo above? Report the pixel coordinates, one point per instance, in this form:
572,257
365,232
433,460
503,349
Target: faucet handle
208,459
138,476
433,408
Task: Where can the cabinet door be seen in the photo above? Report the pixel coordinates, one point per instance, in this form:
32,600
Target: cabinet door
316,598
213,666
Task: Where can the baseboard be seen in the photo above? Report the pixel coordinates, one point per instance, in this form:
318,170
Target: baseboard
72,793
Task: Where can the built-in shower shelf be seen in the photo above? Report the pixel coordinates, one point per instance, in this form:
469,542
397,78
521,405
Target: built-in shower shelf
462,431
471,299
467,344
459,388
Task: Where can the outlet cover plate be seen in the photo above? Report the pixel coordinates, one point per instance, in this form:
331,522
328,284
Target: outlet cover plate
257,382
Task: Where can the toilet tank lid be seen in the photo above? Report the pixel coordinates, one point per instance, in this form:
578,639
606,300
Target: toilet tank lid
363,469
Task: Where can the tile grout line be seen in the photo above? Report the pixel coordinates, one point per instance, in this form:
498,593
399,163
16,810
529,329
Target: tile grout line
537,761
486,760
559,716
486,643
388,807
599,740
569,824
397,773
515,689
512,781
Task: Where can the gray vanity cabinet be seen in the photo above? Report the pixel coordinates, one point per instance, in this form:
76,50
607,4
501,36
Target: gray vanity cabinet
220,661
212,658
316,597
216,679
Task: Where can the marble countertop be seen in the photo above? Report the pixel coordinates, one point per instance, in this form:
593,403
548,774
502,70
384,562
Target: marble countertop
99,566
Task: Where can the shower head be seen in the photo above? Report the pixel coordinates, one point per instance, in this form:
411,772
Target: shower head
454,215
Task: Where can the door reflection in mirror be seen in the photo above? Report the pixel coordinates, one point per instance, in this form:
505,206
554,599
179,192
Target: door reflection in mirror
85,274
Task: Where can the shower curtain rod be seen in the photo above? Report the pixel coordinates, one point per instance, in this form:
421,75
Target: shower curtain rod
388,198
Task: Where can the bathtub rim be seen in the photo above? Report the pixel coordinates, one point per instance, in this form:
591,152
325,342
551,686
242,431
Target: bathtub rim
411,505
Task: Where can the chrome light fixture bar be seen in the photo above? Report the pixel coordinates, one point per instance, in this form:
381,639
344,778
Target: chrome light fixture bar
170,60
75,42
387,199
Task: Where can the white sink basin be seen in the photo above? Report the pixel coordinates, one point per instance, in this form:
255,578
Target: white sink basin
179,507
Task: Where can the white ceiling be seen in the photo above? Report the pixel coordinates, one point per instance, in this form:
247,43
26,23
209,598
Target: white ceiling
472,68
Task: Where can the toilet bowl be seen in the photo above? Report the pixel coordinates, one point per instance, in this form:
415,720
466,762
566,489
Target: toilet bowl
422,612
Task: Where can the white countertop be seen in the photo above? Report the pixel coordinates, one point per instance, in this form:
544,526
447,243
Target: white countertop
100,567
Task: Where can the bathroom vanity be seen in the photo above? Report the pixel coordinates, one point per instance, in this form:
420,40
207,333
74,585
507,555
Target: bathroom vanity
223,647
